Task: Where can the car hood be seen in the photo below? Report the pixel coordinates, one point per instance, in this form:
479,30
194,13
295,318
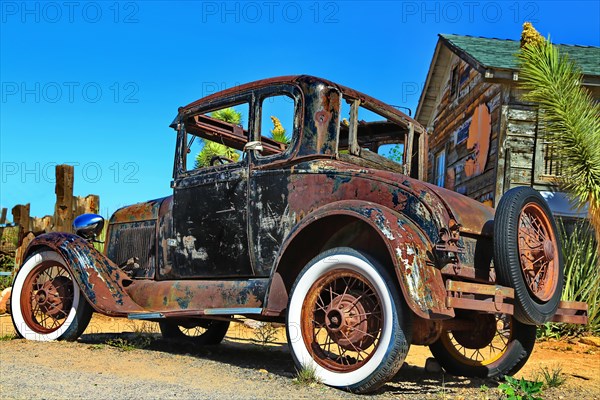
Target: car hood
148,210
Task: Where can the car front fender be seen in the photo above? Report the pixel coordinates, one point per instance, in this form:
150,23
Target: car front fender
100,280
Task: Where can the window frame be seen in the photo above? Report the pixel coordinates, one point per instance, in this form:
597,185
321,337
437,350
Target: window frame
292,91
180,166
440,180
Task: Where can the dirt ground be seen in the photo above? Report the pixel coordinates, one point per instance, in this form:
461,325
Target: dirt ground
239,368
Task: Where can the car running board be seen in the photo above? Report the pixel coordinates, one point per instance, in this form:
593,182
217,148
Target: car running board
195,313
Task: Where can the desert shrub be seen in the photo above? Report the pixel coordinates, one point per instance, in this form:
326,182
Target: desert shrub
582,279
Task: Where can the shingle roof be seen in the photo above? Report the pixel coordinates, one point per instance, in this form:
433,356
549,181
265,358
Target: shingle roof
500,53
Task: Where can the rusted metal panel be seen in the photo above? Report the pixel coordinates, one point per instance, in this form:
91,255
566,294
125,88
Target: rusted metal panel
134,240
165,250
420,281
480,297
480,305
100,280
299,80
426,331
321,119
145,211
228,134
476,288
210,223
132,233
198,295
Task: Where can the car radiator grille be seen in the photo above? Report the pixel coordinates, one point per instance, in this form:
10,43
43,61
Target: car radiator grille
134,240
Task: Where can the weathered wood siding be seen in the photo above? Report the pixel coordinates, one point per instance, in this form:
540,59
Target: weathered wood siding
517,151
452,117
526,159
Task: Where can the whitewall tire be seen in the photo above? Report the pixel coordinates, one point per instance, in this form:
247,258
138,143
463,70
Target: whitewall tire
347,321
46,303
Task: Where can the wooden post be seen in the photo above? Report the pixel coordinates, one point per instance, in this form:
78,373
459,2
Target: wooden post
22,247
63,211
42,225
2,222
21,218
89,204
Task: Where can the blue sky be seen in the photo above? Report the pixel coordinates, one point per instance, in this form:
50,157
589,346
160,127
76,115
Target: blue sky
96,84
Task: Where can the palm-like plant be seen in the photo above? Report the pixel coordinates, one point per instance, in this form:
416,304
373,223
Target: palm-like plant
278,132
212,149
569,114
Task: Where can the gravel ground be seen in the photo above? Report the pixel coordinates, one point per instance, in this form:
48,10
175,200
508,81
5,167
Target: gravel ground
239,369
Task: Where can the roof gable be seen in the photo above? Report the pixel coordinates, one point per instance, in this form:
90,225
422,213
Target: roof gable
488,54
500,53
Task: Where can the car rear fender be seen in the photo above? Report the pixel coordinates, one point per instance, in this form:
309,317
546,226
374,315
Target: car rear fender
101,281
409,249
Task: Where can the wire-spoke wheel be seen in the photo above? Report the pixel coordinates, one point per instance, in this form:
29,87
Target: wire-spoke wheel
527,254
200,332
342,320
347,322
486,346
537,251
46,303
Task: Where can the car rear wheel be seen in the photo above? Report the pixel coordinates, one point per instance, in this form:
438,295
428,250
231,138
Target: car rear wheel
487,346
347,321
200,332
46,303
527,254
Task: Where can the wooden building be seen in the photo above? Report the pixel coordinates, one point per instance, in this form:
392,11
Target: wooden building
483,138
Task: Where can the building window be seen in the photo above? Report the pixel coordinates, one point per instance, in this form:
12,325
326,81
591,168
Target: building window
440,168
454,82
552,164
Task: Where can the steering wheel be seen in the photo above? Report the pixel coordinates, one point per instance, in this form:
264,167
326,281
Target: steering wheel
221,160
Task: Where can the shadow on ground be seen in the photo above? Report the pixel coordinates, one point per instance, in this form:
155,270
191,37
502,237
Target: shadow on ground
276,359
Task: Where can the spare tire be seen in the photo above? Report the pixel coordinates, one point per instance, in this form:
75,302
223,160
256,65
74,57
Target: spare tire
527,254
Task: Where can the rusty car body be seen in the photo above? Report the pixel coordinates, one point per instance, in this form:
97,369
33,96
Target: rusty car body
354,252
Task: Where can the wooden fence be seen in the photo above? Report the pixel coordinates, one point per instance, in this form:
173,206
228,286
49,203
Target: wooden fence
67,207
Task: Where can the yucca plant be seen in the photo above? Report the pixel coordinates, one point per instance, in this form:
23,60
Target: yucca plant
211,149
278,132
582,281
569,115
228,114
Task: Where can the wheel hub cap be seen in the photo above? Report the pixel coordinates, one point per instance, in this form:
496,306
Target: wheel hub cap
548,250
53,297
346,322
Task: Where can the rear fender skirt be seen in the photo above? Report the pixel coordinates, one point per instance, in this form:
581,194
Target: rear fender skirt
100,280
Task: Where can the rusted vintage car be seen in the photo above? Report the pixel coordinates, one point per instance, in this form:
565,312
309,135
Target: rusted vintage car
352,251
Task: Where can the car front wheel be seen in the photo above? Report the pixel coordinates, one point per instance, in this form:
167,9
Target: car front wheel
347,321
46,303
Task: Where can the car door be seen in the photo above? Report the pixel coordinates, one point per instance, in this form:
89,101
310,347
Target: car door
210,222
277,108
210,194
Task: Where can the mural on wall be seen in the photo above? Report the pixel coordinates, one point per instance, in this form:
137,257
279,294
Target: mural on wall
476,132
478,141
